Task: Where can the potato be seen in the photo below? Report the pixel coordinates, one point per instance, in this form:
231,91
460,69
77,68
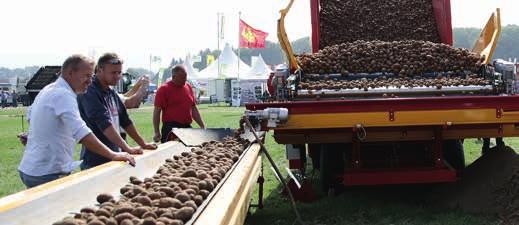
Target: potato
104,197
149,214
176,222
185,213
88,210
143,200
198,199
95,221
140,211
126,208
165,220
189,173
103,212
182,196
126,222
123,216
154,195
204,193
169,191
149,221
168,202
191,204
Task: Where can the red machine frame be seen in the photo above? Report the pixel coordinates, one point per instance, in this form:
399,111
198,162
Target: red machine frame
439,172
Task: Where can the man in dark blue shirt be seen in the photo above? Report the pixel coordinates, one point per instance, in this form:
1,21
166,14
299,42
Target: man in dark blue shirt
105,113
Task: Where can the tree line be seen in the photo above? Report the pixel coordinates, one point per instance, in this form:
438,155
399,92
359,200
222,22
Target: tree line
508,47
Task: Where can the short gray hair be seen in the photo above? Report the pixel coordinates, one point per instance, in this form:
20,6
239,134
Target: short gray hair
73,62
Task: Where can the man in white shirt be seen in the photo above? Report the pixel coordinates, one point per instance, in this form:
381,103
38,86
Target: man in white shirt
56,126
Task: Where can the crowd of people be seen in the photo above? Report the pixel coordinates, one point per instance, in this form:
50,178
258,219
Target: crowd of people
90,112
9,99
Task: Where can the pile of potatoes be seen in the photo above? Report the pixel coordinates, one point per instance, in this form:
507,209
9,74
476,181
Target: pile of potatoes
172,195
405,58
366,84
386,20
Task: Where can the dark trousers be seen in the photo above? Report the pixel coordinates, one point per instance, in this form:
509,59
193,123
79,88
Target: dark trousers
33,181
168,126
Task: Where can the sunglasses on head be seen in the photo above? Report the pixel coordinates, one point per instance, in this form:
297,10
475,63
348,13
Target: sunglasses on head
115,61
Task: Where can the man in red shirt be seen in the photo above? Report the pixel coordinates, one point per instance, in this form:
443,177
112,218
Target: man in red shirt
176,101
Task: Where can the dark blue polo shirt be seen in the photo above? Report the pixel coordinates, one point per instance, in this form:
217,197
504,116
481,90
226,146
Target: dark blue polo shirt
99,108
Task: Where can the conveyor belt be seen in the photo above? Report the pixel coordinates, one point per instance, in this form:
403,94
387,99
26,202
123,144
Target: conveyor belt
53,201
415,91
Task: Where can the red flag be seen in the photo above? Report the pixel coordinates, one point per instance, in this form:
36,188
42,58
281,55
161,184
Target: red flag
250,37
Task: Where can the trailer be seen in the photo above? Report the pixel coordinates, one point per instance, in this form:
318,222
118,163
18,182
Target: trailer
389,135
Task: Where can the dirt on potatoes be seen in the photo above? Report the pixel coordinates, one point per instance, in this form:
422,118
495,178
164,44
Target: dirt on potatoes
172,195
489,185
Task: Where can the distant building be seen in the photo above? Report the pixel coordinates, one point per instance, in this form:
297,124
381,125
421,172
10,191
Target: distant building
6,84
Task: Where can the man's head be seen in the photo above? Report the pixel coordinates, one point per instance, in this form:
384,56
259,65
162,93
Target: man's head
77,70
109,69
179,75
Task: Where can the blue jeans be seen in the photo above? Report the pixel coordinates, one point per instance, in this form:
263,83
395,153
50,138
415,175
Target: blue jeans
33,181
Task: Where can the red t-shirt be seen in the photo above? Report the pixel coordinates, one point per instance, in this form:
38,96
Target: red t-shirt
176,102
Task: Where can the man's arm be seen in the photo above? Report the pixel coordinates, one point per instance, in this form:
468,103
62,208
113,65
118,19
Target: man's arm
130,130
156,123
113,136
98,115
133,101
93,144
197,117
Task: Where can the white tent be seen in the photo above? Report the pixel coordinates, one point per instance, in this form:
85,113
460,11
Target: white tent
228,61
192,74
259,70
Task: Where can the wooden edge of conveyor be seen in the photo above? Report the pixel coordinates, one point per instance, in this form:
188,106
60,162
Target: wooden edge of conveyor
55,200
230,204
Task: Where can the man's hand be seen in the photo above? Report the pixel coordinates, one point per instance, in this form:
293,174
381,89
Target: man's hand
134,150
157,137
149,146
123,156
23,138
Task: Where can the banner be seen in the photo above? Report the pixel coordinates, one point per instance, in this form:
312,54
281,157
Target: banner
210,59
222,25
160,74
250,37
196,59
155,58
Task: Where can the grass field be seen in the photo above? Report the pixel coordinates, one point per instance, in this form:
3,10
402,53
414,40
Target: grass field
374,205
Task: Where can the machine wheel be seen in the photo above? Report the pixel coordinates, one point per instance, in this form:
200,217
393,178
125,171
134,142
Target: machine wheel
453,153
331,166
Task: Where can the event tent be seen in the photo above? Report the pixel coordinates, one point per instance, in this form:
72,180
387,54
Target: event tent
259,70
228,62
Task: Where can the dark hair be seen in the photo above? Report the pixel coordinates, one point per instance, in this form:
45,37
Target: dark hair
108,58
73,62
178,68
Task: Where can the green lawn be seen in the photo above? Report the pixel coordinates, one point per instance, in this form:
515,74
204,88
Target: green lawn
356,206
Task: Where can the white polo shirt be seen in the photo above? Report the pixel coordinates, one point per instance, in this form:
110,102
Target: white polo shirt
55,128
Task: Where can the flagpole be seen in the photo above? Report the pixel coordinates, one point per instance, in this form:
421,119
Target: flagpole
239,59
150,66
218,37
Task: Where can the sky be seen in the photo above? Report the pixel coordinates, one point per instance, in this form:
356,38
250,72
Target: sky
45,32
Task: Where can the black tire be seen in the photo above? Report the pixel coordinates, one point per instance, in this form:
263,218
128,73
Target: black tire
453,154
331,166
